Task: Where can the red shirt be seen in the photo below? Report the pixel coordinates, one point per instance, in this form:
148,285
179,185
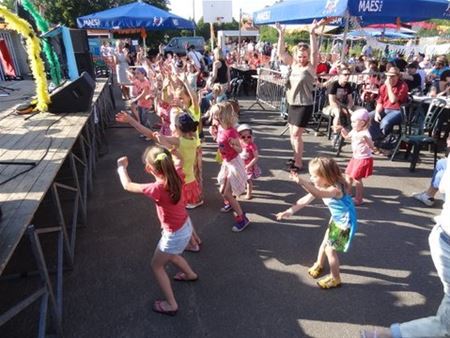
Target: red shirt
400,91
172,216
147,87
224,137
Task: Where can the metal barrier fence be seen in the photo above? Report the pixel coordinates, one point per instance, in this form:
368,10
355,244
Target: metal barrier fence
271,90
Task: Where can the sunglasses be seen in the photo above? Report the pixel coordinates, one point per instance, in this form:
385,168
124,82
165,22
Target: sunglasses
346,74
246,137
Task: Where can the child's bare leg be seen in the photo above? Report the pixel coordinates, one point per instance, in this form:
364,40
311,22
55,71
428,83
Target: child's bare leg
135,112
199,170
249,189
359,187
184,266
228,195
333,261
349,181
321,253
195,237
159,260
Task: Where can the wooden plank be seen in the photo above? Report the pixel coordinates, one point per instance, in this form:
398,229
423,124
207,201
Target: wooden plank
21,197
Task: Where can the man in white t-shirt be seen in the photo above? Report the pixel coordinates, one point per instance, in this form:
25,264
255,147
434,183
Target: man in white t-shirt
196,57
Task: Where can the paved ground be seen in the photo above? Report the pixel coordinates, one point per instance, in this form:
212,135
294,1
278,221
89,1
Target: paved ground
255,283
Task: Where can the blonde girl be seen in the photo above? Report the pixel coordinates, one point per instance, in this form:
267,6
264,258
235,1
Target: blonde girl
176,225
327,183
361,164
232,177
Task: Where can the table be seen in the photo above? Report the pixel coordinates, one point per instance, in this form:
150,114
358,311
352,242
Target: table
32,151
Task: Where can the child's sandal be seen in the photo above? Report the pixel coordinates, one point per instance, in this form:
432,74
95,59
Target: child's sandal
329,283
315,270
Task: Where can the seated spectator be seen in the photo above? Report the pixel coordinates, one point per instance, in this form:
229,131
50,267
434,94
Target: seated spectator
412,78
393,93
340,98
427,196
323,67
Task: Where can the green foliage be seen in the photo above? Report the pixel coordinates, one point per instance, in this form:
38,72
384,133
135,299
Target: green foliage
296,37
65,12
269,34
203,28
10,4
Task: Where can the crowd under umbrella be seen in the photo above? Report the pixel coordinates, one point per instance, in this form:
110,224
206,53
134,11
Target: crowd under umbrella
134,17
366,11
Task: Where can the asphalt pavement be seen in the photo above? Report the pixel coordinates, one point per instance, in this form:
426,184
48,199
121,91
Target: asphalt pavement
254,283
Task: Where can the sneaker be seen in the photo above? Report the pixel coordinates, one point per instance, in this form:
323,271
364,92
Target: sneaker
194,205
226,208
141,136
424,198
241,223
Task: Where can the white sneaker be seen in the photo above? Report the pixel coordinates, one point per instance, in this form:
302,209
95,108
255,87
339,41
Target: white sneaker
194,205
424,198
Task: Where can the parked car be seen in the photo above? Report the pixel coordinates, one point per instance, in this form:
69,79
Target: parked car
178,45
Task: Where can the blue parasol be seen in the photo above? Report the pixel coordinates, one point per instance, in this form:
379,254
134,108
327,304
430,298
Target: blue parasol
136,15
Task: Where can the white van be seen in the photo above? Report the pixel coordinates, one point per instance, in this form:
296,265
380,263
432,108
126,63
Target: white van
180,44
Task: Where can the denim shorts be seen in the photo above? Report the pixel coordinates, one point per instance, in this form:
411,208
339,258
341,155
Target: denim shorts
174,243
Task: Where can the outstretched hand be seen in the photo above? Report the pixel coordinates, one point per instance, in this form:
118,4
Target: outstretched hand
283,215
280,29
122,162
123,117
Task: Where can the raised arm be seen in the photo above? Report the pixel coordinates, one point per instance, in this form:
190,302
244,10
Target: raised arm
127,184
281,49
329,192
314,47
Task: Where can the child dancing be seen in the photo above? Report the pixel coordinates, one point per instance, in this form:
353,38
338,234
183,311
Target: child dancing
232,177
176,225
250,156
361,164
327,183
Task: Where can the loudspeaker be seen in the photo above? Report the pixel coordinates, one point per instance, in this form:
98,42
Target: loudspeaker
74,97
81,51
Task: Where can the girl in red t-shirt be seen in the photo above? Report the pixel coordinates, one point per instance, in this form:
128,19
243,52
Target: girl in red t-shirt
176,225
232,176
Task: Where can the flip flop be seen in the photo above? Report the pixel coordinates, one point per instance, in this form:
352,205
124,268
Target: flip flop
181,277
159,309
193,248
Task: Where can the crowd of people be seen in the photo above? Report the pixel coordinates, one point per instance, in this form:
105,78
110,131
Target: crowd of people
173,98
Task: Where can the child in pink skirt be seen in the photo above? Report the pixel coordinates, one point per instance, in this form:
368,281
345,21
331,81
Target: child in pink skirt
232,177
250,156
361,164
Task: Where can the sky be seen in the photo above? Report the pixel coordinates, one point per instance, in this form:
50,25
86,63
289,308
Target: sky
184,8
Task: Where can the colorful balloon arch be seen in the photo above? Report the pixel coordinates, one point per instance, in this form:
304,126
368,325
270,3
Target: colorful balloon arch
34,53
50,54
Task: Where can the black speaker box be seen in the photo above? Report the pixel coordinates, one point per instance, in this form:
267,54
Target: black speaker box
81,51
73,97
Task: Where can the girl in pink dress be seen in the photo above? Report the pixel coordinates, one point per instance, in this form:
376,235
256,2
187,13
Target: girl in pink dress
361,164
250,156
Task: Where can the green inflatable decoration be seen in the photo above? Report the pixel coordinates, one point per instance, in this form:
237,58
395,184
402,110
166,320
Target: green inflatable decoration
42,25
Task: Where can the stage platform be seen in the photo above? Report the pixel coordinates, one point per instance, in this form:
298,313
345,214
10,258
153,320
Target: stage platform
33,150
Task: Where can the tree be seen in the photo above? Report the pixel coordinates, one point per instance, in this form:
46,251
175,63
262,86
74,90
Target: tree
10,4
66,12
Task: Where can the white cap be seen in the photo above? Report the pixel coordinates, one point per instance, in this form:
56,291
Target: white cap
243,127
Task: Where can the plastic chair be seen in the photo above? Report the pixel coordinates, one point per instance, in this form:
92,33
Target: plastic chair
415,136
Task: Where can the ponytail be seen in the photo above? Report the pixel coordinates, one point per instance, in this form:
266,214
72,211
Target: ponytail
161,160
